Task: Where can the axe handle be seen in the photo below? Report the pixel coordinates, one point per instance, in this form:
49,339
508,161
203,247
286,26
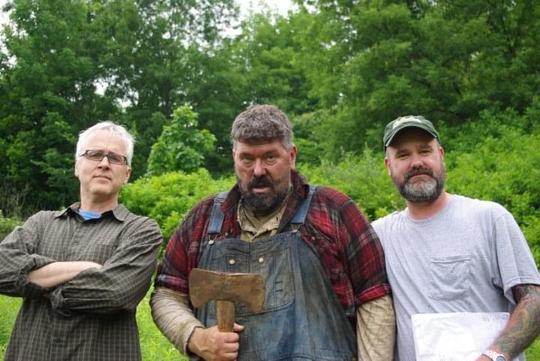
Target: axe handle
225,315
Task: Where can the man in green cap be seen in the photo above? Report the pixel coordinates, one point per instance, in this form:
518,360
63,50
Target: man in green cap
447,253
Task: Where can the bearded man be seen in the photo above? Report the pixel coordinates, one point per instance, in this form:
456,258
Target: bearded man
447,253
327,296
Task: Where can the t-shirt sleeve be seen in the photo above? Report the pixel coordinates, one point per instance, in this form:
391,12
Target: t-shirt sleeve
514,258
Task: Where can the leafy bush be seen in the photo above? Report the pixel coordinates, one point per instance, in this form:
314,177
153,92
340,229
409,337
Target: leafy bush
495,162
363,178
168,197
7,225
504,170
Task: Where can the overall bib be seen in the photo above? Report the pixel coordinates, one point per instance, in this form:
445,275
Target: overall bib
302,318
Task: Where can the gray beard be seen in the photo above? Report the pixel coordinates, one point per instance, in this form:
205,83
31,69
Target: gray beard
423,192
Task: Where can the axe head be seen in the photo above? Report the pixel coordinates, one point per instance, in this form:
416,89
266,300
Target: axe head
245,288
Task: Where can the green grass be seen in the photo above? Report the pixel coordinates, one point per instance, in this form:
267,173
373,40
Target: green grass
9,307
533,352
154,345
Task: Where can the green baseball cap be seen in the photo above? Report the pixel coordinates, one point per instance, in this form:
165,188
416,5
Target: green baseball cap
397,125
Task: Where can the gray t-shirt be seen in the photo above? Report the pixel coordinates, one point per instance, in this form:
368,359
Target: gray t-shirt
466,258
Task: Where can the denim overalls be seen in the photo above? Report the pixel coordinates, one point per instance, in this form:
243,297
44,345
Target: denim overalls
302,318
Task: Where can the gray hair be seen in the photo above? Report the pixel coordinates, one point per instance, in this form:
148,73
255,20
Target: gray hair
262,123
114,129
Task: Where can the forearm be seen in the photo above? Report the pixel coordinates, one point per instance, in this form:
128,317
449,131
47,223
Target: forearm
120,284
17,260
57,273
376,330
106,290
524,324
173,316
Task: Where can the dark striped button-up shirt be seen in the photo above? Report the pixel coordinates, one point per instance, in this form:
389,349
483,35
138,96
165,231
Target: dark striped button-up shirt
91,317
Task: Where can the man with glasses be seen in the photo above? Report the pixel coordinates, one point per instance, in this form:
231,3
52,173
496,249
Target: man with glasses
82,271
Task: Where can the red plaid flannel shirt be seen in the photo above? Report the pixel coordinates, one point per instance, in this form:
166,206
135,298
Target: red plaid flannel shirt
349,249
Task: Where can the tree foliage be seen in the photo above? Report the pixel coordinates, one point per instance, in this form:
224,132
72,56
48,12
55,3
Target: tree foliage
181,145
370,61
498,166
340,69
68,64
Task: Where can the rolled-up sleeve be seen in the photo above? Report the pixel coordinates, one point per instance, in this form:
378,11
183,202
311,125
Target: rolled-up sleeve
365,257
18,258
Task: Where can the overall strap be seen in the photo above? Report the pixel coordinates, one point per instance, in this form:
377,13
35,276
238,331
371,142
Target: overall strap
217,216
300,215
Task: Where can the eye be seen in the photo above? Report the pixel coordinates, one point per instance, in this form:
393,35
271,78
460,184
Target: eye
246,160
116,158
92,154
402,155
270,159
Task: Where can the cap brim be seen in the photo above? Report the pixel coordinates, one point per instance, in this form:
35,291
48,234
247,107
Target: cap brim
405,126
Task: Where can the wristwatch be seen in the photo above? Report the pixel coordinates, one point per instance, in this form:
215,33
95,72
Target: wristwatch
495,356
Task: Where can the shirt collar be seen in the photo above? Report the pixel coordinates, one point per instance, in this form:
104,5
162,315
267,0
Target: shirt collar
256,226
120,213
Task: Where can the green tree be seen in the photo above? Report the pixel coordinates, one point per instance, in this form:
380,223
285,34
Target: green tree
218,98
259,66
269,49
448,60
47,94
158,56
67,64
181,146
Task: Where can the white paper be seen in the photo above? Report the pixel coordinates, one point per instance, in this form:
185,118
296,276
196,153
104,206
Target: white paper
459,336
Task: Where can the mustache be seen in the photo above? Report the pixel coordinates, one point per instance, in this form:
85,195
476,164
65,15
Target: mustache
260,182
418,171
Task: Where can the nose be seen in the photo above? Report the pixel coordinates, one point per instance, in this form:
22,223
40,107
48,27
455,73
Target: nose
104,162
416,161
259,169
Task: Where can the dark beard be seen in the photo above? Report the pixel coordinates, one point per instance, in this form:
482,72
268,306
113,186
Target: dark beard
262,204
427,191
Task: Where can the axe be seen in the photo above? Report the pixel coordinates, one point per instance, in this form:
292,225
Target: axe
227,289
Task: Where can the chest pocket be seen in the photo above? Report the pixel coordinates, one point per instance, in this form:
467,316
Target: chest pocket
277,268
273,263
450,277
96,252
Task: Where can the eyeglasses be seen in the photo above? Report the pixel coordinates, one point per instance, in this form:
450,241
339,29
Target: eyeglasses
98,155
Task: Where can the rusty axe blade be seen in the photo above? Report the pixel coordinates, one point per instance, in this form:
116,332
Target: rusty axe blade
227,289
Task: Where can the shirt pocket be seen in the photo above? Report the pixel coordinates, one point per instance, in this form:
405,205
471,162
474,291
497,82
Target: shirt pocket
276,268
450,277
96,252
